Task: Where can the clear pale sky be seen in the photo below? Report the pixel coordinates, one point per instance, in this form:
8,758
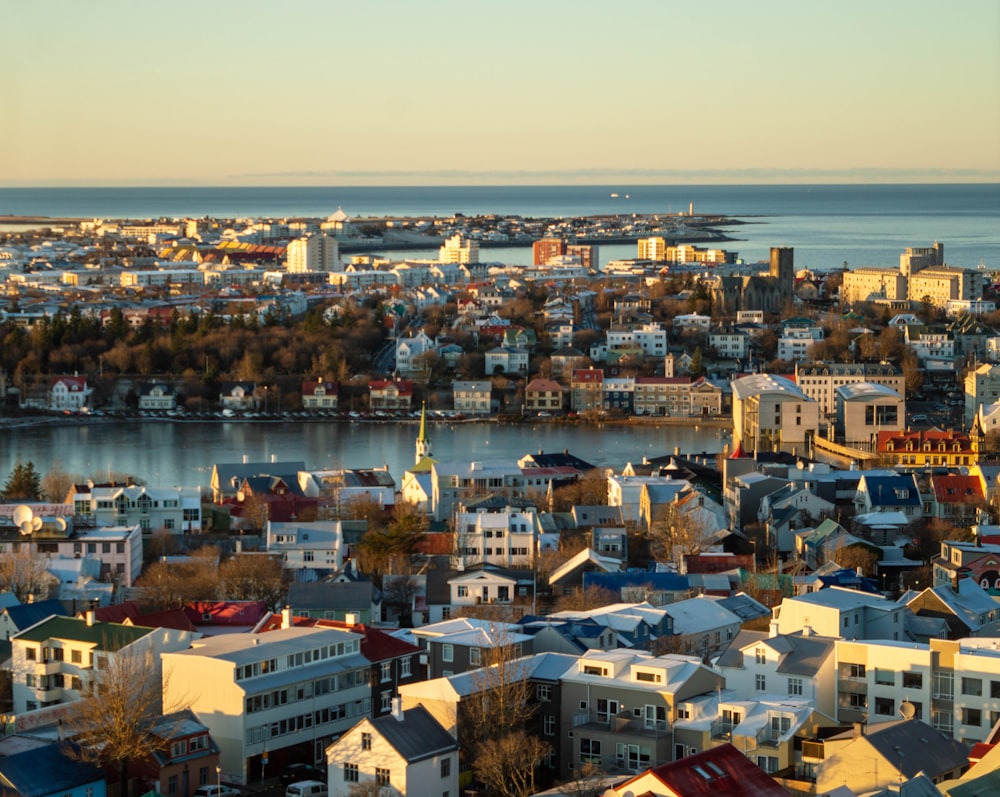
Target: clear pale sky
419,92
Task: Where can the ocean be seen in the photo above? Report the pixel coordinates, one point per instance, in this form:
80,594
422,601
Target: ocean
827,225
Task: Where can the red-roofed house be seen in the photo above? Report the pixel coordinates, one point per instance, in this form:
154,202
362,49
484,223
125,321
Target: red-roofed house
68,393
543,395
586,389
931,447
957,498
215,617
390,394
319,394
720,772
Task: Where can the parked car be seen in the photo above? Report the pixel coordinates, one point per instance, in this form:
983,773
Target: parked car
307,788
919,418
216,791
294,773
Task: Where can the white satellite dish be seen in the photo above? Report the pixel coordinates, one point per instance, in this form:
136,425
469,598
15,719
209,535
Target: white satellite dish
36,523
61,523
26,527
22,513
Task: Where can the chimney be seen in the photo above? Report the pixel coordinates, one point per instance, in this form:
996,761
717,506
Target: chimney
397,709
286,617
859,730
90,617
351,618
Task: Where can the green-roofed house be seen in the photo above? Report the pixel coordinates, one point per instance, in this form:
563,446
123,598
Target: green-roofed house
55,659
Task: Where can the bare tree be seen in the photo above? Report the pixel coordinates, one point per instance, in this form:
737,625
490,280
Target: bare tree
167,585
507,765
57,483
590,598
25,573
114,722
676,534
253,577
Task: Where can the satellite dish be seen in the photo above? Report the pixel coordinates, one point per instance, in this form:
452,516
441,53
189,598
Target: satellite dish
26,527
36,523
61,523
907,710
21,514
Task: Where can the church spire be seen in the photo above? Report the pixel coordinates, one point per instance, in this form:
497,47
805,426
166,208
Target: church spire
423,446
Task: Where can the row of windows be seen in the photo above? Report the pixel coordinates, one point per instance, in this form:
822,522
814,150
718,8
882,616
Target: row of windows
297,659
322,716
305,690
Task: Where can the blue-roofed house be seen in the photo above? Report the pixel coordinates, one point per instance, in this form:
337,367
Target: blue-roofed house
640,585
887,491
14,619
572,636
49,772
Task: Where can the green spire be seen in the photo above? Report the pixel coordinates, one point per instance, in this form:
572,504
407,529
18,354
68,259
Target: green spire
423,423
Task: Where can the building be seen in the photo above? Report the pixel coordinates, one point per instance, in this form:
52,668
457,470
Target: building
586,389
472,397
57,660
769,291
390,395
459,250
176,509
864,409
544,395
157,397
319,394
288,693
69,393
51,771
314,252
982,389
927,447
546,249
772,411
506,536
819,381
408,752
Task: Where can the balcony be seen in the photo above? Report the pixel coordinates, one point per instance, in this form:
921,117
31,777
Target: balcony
47,667
722,729
769,737
624,722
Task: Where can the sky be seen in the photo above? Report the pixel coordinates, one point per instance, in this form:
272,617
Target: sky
421,92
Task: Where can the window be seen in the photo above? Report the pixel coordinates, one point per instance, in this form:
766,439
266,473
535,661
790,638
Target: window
381,776
856,671
795,686
178,749
543,692
913,680
768,763
760,656
972,686
760,682
885,706
172,784
203,776
548,725
590,751
447,652
76,656
31,654
404,667
994,689
475,658
366,741
463,591
196,743
885,677
445,767
350,773
972,716
385,671
386,704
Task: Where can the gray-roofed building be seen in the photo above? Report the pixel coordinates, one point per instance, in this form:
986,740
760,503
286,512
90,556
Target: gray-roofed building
868,758
227,477
16,618
408,751
288,692
336,600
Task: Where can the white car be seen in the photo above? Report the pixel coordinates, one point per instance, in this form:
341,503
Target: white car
216,791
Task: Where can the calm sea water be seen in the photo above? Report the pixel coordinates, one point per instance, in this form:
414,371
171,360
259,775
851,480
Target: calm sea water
181,454
827,225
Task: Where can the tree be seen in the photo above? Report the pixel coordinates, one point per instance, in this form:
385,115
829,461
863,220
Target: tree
168,585
57,483
590,598
507,765
253,577
23,484
676,534
25,573
859,556
114,722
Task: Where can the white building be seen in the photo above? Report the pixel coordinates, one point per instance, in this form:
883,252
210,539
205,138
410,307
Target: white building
407,753
315,545
459,250
771,411
176,509
316,252
293,689
508,537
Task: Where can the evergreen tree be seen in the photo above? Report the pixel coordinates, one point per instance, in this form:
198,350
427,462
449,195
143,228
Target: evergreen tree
23,484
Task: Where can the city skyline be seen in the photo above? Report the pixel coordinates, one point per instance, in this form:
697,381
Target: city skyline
445,93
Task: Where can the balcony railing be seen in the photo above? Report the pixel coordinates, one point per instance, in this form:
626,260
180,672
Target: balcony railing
624,722
722,729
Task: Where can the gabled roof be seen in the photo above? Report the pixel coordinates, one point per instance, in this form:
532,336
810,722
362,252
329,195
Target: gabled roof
583,558
913,746
26,615
720,771
417,736
105,636
47,770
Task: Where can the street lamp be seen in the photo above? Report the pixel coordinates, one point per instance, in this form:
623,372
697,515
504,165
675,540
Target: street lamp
218,778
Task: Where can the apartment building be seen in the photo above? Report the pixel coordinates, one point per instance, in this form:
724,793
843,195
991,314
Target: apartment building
55,661
176,509
457,249
586,389
507,537
288,692
314,252
618,708
841,613
819,381
771,411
